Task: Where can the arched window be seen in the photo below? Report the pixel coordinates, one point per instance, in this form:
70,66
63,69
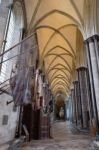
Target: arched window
13,35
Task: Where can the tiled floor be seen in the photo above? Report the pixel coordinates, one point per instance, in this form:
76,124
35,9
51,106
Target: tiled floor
64,138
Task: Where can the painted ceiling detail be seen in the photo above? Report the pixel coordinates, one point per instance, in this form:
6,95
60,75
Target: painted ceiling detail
57,23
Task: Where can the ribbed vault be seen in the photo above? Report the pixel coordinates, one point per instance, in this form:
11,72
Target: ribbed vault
57,23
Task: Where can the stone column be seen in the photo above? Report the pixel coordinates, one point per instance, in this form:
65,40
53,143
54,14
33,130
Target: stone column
54,109
82,77
78,103
65,111
74,119
92,46
76,100
96,42
95,70
70,107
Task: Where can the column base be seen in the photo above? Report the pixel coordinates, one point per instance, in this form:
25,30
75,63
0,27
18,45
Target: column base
93,131
97,136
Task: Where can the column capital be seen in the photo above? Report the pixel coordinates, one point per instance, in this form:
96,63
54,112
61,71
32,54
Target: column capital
92,38
72,89
40,71
4,41
75,82
22,29
89,40
10,6
96,37
82,68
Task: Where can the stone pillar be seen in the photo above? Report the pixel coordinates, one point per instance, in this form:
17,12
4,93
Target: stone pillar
95,70
78,103
92,46
54,107
96,42
76,100
74,119
70,107
82,77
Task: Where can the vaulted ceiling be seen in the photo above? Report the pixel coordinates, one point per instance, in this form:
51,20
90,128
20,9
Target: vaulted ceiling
58,24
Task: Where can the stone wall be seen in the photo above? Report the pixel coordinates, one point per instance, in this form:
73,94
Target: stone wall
3,18
8,119
8,115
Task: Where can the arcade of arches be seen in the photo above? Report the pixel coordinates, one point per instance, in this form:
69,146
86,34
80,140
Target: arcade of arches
49,69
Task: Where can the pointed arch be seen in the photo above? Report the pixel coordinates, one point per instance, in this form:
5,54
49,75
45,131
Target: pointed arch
59,64
62,27
77,12
62,70
58,32
58,90
61,47
58,55
61,87
59,83
57,12
61,79
59,76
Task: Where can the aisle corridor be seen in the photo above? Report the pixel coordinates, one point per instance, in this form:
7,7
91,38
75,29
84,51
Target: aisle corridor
65,137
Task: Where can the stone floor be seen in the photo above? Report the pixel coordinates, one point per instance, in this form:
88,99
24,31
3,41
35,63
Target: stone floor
4,147
65,137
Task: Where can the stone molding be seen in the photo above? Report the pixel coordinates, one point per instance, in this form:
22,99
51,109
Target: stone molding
92,38
75,82
24,12
82,68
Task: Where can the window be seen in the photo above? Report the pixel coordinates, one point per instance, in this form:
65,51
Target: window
5,120
9,40
13,35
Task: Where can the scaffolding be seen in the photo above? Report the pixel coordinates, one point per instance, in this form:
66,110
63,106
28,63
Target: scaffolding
18,65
